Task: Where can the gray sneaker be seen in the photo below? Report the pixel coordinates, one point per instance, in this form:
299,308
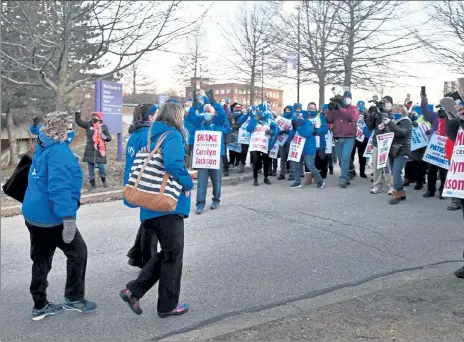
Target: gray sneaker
48,310
320,185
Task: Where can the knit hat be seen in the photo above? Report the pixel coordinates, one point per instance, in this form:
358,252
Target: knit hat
348,94
388,98
56,125
151,111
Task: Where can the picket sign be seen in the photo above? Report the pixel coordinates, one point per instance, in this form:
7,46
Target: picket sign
384,142
369,147
259,140
235,146
359,130
328,142
282,139
243,135
296,148
419,138
207,150
454,185
317,125
435,152
274,151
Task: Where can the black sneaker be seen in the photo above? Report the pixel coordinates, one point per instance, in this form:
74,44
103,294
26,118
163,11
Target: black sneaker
267,181
362,175
255,182
342,185
133,302
331,171
48,310
428,194
281,177
226,173
84,305
104,183
295,186
459,273
418,186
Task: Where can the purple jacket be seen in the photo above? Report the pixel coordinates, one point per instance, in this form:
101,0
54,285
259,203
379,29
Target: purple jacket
429,115
344,121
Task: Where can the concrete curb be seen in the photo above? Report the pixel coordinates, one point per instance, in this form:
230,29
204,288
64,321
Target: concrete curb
231,180
250,318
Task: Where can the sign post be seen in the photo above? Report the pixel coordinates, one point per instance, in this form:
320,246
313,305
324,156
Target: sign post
108,100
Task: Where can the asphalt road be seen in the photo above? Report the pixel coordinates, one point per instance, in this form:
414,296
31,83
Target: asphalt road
263,247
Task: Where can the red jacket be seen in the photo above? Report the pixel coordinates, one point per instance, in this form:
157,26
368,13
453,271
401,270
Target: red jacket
344,121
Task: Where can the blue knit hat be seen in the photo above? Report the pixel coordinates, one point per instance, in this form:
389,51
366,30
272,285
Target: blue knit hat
150,112
348,94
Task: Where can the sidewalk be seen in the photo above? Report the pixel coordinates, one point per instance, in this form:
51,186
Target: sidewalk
421,305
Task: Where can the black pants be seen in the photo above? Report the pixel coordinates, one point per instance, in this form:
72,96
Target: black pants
165,266
415,170
225,161
44,242
284,164
259,160
243,154
234,158
432,178
330,161
145,245
273,164
322,164
361,147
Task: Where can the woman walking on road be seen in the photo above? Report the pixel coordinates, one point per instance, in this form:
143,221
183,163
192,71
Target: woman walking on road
166,266
49,209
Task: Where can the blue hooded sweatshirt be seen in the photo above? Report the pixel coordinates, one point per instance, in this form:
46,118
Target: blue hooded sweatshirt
137,140
305,129
322,131
216,124
54,184
173,153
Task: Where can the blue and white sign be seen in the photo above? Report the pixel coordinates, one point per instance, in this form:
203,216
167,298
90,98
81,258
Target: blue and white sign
419,138
435,153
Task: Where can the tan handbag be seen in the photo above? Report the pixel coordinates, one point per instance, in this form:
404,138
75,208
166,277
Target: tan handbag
149,185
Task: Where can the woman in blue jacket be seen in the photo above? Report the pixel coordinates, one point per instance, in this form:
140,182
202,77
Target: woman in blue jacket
212,119
305,128
49,208
165,266
260,159
322,128
145,242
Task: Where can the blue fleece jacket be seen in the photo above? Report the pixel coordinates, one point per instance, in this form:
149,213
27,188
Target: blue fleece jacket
137,140
216,124
54,184
305,129
322,131
191,131
173,154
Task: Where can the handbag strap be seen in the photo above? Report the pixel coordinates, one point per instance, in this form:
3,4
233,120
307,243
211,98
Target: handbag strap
152,153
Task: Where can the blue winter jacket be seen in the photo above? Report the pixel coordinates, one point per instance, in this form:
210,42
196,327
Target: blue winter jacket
137,140
173,154
322,131
191,131
216,124
54,184
268,120
305,129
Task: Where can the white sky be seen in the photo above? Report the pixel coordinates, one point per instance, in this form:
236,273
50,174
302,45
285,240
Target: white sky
160,65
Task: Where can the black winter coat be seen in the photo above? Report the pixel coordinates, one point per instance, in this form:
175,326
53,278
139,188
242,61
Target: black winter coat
373,120
91,155
402,129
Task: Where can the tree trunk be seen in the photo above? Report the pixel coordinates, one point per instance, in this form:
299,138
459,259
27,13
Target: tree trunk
350,53
321,90
12,139
134,81
252,86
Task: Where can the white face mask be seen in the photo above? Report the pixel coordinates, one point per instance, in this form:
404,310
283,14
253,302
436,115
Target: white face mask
347,101
388,106
222,103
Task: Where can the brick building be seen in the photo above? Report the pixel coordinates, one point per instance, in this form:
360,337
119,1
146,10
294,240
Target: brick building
239,92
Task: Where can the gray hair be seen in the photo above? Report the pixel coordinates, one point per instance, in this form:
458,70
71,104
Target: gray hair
56,125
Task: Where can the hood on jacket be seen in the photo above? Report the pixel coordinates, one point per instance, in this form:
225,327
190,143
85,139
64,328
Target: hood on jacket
285,114
296,106
159,128
45,140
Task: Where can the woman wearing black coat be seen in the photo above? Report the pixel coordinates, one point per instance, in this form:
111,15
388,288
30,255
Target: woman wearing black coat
95,149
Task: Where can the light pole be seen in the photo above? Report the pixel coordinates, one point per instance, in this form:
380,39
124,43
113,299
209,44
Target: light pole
298,61
262,75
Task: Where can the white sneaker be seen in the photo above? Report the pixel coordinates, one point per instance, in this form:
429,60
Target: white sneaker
375,190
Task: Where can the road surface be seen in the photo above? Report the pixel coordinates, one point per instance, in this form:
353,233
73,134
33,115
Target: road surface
263,247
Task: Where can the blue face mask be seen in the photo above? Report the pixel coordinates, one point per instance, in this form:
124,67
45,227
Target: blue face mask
71,135
362,108
238,113
312,113
397,116
208,116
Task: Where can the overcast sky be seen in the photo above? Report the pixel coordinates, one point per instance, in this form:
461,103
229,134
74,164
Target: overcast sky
161,65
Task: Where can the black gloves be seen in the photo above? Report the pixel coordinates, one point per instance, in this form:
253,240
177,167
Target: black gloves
35,121
442,113
415,124
210,96
316,131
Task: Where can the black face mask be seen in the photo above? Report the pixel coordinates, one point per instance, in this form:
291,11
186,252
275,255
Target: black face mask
95,120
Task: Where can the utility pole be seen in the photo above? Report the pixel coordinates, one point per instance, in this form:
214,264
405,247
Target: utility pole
262,75
298,61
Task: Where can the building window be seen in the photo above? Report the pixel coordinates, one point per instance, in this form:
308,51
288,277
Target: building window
236,91
222,91
228,91
216,91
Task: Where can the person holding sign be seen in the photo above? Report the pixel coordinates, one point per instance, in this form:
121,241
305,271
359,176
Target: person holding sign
264,133
415,169
244,136
360,144
401,126
344,116
284,149
208,158
305,130
321,128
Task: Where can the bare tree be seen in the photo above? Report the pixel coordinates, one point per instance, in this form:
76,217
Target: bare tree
61,45
318,47
138,79
248,34
443,34
372,40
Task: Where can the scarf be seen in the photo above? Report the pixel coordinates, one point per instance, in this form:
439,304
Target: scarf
98,142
